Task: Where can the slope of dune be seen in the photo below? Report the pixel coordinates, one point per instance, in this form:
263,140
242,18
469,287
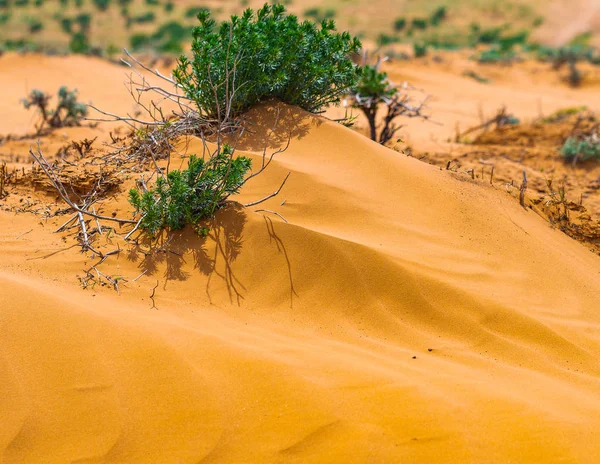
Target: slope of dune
402,314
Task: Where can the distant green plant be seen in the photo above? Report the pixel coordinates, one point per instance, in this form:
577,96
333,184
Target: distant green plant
4,3
568,56
79,43
21,2
385,39
438,16
84,20
419,23
419,49
194,11
102,5
4,18
319,15
400,24
187,197
68,111
38,3
581,149
266,54
66,24
34,25
496,55
152,2
169,6
147,17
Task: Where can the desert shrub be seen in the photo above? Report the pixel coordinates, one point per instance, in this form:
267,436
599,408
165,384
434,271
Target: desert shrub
438,16
147,17
66,24
4,18
385,39
102,5
4,3
318,14
21,2
68,111
38,3
419,49
568,56
34,25
399,24
152,2
419,23
125,2
79,43
375,90
84,20
496,55
140,41
194,11
188,196
169,6
581,149
262,55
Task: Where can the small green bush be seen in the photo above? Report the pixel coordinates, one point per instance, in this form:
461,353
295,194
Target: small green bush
21,2
4,3
275,56
419,49
399,24
66,24
584,149
79,43
4,18
34,25
84,20
189,196
419,23
438,16
68,111
194,11
147,17
102,5
169,6
152,2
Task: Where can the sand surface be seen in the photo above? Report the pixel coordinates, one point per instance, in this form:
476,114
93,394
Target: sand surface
403,314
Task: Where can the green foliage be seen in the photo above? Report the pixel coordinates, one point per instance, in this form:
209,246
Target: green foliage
166,39
189,196
21,2
147,17
169,6
419,49
35,25
102,5
4,3
68,111
79,43
66,24
194,11
384,39
84,20
319,15
152,2
263,55
4,18
38,3
496,55
399,24
374,84
419,23
584,149
438,16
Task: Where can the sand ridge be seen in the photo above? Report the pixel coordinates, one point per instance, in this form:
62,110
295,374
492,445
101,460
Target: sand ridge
375,326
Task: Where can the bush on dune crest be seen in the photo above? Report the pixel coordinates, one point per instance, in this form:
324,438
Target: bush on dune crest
263,55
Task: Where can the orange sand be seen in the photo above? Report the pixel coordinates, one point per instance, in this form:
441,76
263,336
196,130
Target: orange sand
405,314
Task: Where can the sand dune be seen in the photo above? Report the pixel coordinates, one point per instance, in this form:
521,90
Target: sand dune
404,314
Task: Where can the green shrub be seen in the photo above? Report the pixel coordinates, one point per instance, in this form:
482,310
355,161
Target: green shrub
152,2
84,20
385,39
34,25
189,196
21,2
79,43
102,5
318,14
419,23
139,41
399,24
68,111
147,17
66,24
194,11
496,55
169,6
4,18
4,3
38,3
583,149
275,56
419,49
438,16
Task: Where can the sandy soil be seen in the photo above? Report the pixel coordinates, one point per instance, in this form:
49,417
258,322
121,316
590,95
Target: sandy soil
403,314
